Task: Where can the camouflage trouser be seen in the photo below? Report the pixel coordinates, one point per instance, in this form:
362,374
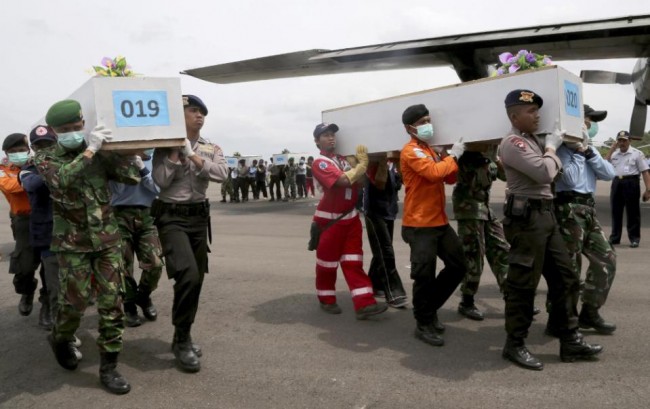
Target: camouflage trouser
290,184
78,272
139,236
483,238
583,234
226,188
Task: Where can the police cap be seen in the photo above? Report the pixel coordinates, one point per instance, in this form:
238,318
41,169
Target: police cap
414,113
13,140
194,101
523,97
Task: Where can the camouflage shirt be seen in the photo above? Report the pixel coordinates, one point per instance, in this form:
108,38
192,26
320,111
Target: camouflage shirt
291,171
83,218
471,197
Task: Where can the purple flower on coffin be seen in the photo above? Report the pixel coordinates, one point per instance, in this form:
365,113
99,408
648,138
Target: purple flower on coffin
513,68
530,58
547,60
107,62
505,57
500,71
522,52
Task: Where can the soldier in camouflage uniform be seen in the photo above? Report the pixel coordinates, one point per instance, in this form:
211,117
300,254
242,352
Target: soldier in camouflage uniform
290,172
226,188
86,237
132,206
478,228
582,232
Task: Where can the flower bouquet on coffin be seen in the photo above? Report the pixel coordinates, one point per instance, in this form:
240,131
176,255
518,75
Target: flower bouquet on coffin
523,60
113,67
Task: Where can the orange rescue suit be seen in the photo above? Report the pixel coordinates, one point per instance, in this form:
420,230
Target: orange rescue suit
13,191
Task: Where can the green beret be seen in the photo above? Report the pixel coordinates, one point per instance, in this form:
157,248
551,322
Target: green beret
64,112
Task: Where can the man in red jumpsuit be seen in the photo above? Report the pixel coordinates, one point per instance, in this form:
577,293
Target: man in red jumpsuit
340,240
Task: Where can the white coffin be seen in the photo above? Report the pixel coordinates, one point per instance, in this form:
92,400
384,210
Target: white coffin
233,161
473,110
283,158
141,111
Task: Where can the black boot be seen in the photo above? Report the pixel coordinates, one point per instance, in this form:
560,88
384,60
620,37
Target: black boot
515,351
45,315
186,358
26,304
437,325
195,347
143,299
64,352
574,347
108,375
468,309
427,333
131,318
590,318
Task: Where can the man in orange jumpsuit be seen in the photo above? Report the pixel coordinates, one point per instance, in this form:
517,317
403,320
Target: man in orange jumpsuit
425,226
24,261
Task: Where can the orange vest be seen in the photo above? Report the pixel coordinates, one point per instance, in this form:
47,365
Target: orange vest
13,191
424,175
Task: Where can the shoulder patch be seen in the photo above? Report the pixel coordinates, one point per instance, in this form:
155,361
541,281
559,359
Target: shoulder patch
322,165
518,142
419,153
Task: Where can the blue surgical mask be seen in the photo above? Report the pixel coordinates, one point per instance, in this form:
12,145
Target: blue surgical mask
71,140
425,132
593,130
18,158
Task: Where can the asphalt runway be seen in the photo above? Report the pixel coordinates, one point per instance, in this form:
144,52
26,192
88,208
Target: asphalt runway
267,344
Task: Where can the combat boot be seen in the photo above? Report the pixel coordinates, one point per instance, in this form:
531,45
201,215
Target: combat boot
131,318
590,318
369,310
515,351
143,300
437,325
64,352
468,309
427,333
574,347
195,347
112,380
45,315
26,304
186,357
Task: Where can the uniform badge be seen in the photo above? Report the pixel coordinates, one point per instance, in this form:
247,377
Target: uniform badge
519,143
526,96
40,131
322,165
419,153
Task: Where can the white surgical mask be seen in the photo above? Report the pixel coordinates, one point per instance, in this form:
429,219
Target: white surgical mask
71,140
18,158
425,132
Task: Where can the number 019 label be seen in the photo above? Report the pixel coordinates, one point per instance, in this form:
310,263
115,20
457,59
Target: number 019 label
140,108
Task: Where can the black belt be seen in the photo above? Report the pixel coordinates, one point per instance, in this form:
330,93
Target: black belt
126,207
541,204
185,209
575,197
628,177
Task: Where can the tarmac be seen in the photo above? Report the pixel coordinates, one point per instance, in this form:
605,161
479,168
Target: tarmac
266,343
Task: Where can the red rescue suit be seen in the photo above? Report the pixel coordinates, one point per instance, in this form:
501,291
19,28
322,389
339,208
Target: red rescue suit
341,242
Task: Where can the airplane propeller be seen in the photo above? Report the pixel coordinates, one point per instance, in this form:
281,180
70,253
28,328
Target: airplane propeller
640,78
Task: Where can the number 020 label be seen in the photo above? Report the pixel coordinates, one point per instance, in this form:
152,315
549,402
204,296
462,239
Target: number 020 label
571,99
140,108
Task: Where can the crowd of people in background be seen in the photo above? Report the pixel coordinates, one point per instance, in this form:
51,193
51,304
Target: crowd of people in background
284,182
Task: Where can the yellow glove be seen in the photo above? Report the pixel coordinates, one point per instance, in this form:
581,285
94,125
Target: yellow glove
355,174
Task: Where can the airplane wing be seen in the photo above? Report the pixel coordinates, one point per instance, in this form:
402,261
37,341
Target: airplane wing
468,54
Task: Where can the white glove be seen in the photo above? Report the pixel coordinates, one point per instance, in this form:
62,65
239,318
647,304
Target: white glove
554,140
137,161
457,149
187,149
97,137
586,141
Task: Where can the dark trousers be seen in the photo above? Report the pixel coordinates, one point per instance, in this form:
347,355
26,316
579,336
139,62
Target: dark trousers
275,182
185,248
50,276
625,195
235,189
301,181
383,271
253,185
261,188
243,188
431,292
24,260
537,248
